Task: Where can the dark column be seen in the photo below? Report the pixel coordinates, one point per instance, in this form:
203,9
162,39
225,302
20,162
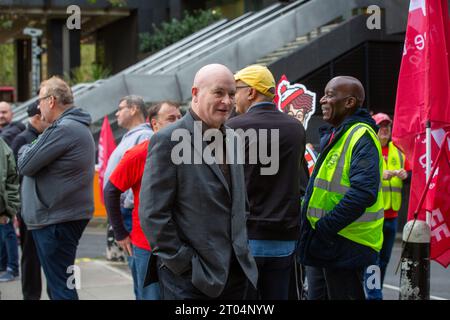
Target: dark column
23,68
63,48
117,43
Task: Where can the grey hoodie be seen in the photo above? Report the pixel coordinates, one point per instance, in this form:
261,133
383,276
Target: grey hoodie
58,170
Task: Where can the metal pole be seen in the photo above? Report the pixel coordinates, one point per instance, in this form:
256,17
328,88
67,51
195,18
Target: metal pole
428,163
415,261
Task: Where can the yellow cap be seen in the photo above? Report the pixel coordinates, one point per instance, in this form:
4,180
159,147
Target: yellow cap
258,77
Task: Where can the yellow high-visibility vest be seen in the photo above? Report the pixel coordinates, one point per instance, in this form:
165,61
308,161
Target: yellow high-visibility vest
392,189
332,182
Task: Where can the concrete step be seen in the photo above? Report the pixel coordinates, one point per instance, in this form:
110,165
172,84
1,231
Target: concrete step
294,45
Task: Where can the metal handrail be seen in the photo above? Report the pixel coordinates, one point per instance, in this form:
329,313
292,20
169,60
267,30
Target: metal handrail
225,37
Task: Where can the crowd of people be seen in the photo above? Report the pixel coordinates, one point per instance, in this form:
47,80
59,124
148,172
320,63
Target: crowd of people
216,224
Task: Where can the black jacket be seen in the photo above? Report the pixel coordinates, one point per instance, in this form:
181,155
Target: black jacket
274,199
9,132
323,247
28,136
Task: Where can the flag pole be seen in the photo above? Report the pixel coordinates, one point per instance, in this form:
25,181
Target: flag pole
428,162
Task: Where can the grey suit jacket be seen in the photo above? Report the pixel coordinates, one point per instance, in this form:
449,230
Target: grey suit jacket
190,215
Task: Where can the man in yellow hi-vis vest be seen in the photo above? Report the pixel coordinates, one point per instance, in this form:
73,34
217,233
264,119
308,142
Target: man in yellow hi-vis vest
394,173
342,212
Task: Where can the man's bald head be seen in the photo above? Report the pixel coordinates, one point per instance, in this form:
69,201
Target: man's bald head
351,86
343,96
213,94
6,114
205,74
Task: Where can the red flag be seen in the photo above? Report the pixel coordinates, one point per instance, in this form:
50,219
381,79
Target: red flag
438,202
423,95
424,81
106,145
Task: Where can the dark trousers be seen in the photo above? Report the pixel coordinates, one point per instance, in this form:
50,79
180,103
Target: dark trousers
29,264
345,284
317,286
180,287
274,275
9,249
389,233
57,247
297,283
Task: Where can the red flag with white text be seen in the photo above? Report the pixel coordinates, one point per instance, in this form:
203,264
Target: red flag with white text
438,201
423,95
424,81
106,145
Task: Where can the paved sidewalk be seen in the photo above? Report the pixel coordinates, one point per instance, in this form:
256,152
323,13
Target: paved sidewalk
100,280
104,280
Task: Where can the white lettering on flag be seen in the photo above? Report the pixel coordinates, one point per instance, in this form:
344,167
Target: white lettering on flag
438,225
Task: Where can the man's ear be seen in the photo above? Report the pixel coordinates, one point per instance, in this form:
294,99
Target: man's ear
194,92
52,103
153,123
351,103
253,94
133,110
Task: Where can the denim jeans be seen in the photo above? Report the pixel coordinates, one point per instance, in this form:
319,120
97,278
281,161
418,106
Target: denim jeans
57,247
138,264
9,251
389,232
275,260
3,256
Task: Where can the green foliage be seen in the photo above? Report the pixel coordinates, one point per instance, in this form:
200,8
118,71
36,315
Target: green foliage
175,30
7,65
89,70
87,73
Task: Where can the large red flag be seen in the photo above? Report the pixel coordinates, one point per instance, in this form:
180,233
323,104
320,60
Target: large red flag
106,145
424,81
438,202
423,95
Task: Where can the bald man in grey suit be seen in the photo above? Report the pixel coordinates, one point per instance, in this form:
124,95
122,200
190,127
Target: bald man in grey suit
194,215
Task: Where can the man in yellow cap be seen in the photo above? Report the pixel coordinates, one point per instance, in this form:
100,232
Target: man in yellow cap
274,206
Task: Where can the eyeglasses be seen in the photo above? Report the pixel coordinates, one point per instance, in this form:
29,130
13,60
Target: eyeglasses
40,99
120,108
239,87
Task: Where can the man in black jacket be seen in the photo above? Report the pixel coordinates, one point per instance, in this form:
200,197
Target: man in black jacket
9,129
29,263
274,196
